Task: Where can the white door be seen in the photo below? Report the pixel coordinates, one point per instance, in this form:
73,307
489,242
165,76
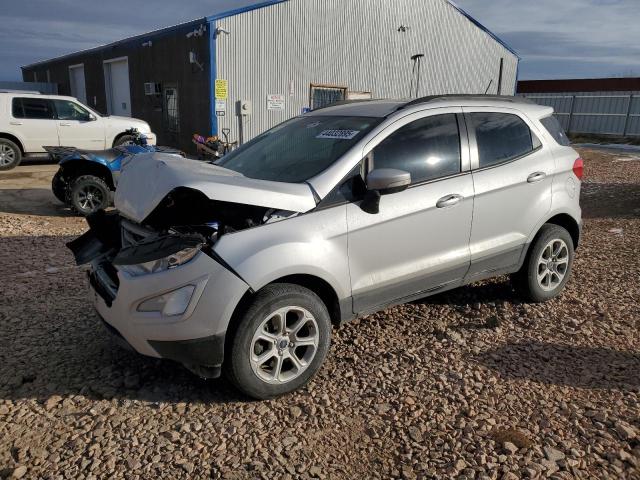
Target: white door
77,127
34,119
418,243
77,81
512,176
116,81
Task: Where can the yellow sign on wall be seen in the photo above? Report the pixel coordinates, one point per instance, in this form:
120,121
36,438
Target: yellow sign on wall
222,89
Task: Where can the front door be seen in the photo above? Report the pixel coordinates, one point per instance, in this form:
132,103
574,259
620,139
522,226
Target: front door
34,119
512,175
419,241
77,127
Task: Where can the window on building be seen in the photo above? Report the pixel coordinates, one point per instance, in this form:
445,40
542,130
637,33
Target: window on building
66,110
501,137
172,115
325,95
428,148
555,129
34,108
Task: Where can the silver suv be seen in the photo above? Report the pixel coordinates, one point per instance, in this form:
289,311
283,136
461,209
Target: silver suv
245,265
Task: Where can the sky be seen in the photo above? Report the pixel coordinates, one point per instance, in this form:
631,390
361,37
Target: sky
554,38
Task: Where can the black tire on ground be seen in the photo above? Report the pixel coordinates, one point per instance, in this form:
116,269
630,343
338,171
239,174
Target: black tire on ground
238,366
89,194
59,188
526,280
10,154
125,139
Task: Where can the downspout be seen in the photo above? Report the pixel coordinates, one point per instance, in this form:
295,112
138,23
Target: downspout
213,72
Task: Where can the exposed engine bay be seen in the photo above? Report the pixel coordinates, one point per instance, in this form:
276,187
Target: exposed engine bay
185,219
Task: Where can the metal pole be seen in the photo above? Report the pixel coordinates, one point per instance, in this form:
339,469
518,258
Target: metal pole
628,117
500,76
573,101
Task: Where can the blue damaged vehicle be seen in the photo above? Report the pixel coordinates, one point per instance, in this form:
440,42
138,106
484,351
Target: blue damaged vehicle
87,179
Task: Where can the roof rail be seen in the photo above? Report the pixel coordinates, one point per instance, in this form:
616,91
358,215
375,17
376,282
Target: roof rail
345,102
432,98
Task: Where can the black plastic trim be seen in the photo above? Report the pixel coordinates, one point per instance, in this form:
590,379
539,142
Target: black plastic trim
200,352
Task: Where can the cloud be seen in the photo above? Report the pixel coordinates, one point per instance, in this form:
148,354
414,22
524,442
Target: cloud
572,38
555,39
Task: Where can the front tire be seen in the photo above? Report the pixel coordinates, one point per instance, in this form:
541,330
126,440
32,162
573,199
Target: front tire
10,154
89,194
280,342
124,140
548,265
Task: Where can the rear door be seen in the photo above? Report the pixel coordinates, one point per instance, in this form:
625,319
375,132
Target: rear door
419,241
512,176
35,120
77,127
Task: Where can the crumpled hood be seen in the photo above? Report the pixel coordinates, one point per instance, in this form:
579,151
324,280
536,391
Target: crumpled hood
146,179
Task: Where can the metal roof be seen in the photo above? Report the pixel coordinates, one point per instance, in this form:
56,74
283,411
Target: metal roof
251,5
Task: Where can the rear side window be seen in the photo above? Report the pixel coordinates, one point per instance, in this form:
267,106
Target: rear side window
34,108
555,129
501,137
428,148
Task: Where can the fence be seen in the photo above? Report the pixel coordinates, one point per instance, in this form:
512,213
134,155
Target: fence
598,113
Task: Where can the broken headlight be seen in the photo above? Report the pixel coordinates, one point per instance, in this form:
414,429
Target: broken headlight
172,261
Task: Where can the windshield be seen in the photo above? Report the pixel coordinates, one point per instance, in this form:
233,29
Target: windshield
299,149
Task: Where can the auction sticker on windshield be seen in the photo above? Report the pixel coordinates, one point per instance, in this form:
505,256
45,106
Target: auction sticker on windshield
339,134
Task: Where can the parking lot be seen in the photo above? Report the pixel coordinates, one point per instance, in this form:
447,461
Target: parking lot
471,383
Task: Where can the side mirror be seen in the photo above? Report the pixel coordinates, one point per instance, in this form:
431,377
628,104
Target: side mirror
92,117
383,181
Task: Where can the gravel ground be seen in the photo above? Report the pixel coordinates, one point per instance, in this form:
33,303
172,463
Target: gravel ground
470,384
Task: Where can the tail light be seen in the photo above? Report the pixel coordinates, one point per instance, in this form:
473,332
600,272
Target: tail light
578,168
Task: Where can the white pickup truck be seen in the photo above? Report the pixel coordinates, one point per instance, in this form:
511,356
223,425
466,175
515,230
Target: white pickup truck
30,121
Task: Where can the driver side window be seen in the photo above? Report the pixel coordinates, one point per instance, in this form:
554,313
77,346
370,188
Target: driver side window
428,148
67,110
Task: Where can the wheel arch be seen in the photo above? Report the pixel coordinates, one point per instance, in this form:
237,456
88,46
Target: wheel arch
118,137
570,224
77,168
14,139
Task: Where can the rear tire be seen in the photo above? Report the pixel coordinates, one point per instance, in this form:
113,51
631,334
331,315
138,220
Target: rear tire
548,265
59,188
10,154
89,194
280,342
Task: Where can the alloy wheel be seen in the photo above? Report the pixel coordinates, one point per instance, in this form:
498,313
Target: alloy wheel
553,265
90,198
284,345
7,155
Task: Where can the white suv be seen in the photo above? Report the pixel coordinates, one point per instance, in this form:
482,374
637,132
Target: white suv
245,264
30,121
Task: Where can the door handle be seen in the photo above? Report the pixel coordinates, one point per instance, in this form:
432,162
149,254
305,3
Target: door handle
449,201
536,177
64,124
15,123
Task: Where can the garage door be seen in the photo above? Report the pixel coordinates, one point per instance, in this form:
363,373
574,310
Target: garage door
116,82
78,86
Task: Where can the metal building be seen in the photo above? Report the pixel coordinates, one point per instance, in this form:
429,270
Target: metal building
251,68
599,106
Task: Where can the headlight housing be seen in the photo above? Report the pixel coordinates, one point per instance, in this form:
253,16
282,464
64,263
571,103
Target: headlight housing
172,261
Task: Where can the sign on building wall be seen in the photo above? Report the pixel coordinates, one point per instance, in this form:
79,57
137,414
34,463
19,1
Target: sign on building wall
222,89
275,101
221,107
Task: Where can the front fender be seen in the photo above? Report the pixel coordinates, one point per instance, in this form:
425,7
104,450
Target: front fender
313,244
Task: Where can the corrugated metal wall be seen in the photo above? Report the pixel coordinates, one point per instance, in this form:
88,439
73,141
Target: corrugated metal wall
284,48
604,113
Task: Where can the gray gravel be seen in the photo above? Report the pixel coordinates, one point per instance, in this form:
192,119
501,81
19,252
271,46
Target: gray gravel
470,384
